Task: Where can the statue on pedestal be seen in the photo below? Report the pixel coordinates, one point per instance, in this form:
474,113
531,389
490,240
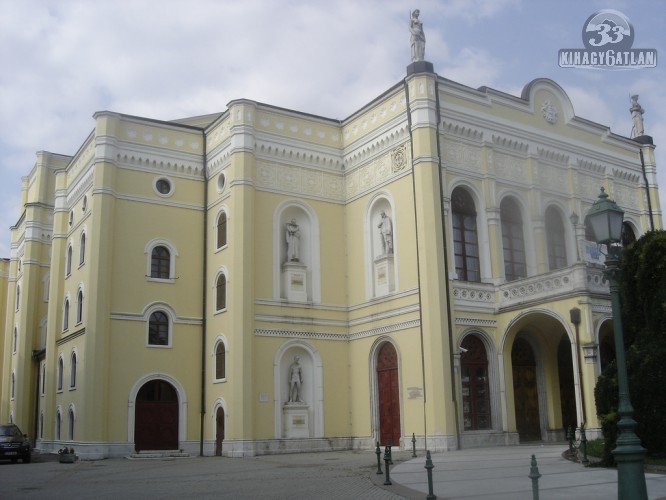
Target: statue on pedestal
293,237
295,381
636,117
386,232
418,37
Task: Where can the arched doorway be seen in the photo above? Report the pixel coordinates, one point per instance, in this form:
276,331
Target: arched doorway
219,430
566,375
475,384
156,417
389,395
525,393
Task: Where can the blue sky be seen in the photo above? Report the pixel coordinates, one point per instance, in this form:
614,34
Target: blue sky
63,60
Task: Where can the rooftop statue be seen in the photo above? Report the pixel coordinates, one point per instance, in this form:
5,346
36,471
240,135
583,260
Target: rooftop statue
636,117
418,37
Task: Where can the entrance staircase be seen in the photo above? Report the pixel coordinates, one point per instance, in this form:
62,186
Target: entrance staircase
158,454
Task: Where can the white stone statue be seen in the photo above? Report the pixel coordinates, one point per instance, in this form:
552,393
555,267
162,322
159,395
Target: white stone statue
293,237
636,117
418,37
295,381
386,232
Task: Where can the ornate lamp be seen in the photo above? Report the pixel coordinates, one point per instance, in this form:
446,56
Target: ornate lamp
605,220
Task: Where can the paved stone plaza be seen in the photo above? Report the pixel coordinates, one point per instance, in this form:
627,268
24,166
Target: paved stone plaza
497,473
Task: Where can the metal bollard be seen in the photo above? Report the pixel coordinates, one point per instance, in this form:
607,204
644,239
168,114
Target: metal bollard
570,438
429,466
413,445
534,476
583,444
389,442
387,460
378,451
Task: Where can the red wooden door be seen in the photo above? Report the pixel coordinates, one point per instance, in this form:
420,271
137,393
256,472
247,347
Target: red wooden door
156,417
389,395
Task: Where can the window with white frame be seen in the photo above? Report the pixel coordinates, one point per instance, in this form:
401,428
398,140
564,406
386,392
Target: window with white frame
220,361
82,249
68,261
59,374
72,371
158,329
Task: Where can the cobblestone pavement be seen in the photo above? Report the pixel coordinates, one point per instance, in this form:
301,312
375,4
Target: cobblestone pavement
331,475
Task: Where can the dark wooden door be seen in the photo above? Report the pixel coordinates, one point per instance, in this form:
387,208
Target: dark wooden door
389,395
525,392
156,417
566,376
219,431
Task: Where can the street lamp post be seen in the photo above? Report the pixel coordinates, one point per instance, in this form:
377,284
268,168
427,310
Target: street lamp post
605,220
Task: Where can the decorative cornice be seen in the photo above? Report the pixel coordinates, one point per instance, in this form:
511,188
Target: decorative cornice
462,131
626,175
274,332
467,321
553,156
510,144
591,166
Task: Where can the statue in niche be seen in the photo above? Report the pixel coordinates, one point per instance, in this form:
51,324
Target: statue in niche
295,381
293,236
418,37
386,232
636,117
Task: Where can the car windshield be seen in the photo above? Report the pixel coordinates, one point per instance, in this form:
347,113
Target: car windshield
6,430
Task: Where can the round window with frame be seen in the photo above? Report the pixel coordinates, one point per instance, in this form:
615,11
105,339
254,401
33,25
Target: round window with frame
163,186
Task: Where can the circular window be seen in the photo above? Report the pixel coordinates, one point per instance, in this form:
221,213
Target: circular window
221,181
163,186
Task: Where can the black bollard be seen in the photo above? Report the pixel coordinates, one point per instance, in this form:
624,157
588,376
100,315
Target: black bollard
583,444
570,438
534,476
429,467
413,445
389,442
387,460
378,451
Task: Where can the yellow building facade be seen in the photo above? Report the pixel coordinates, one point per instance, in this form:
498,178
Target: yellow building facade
262,280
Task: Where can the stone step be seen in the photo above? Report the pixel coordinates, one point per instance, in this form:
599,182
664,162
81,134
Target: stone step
158,454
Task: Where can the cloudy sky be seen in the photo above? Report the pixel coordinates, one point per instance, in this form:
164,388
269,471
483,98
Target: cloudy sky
63,60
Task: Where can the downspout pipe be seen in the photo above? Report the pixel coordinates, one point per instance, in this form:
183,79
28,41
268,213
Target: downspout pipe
204,289
646,140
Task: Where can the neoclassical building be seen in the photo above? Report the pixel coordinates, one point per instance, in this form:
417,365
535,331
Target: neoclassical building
262,280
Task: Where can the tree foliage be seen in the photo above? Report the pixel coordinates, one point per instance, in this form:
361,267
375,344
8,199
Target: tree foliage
643,296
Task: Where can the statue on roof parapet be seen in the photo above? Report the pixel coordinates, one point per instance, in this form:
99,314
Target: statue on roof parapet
636,111
418,36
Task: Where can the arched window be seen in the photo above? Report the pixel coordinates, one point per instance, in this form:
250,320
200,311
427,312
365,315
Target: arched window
220,361
15,339
158,329
222,230
160,263
82,249
68,262
79,307
12,386
513,243
72,372
71,424
59,375
557,253
18,296
221,293
65,315
627,237
465,240
475,384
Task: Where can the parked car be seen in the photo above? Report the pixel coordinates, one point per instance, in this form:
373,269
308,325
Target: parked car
14,444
